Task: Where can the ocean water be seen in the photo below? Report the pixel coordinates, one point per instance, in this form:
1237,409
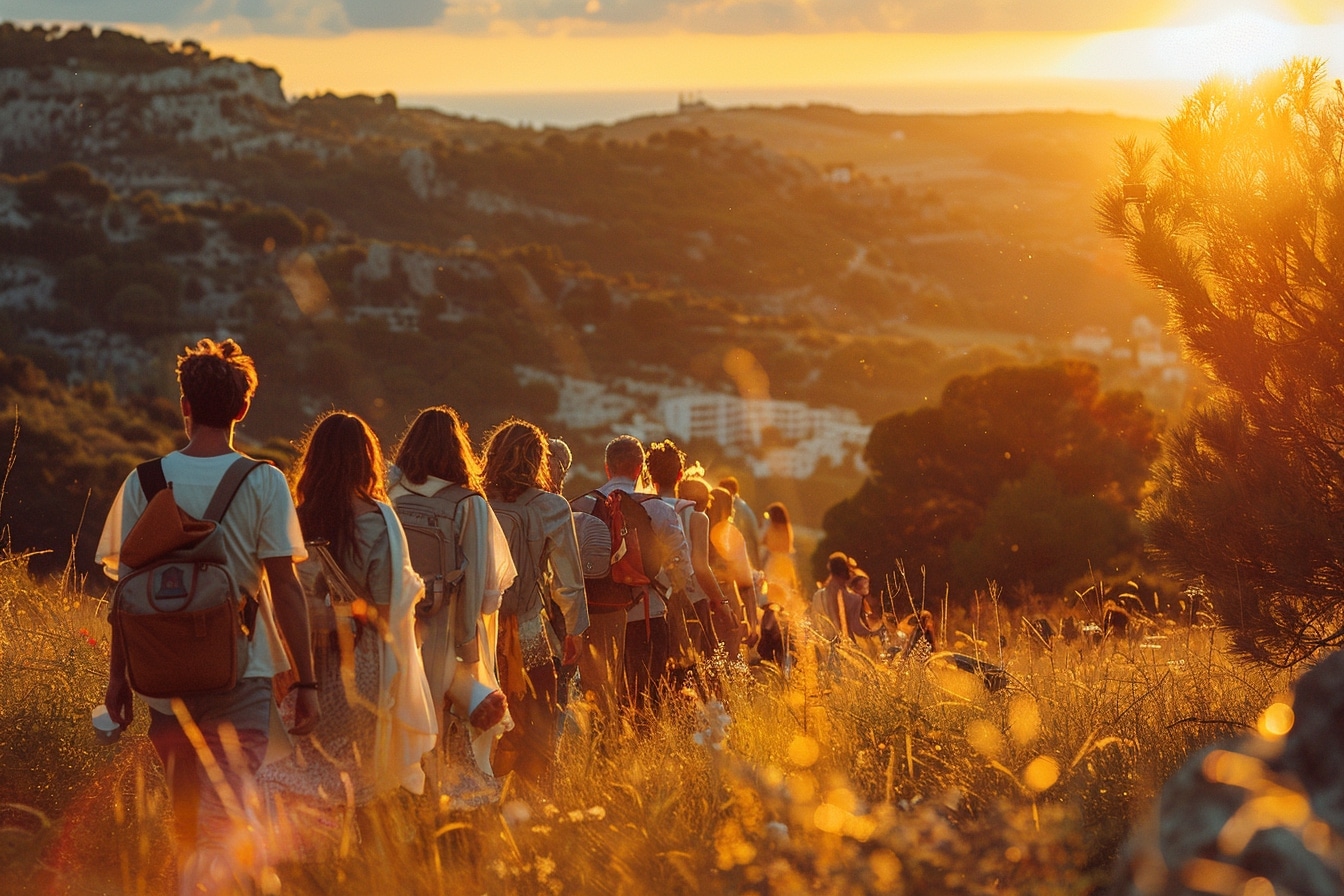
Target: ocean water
1144,99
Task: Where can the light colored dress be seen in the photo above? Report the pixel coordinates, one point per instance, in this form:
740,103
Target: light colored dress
377,714
460,768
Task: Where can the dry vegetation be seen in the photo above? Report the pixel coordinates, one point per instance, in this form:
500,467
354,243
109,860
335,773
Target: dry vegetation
846,777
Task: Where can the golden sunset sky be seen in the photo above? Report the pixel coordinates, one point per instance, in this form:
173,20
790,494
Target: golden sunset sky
430,47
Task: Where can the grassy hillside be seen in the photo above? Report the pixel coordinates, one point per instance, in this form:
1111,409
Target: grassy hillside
846,777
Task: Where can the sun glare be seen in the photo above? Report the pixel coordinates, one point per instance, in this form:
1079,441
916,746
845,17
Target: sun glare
1239,44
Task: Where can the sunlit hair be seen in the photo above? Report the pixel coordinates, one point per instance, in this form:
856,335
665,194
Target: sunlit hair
730,484
340,462
778,535
694,489
625,456
517,457
436,444
664,463
720,506
217,380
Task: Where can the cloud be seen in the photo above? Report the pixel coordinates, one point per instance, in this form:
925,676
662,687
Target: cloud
392,13
696,16
775,16
193,17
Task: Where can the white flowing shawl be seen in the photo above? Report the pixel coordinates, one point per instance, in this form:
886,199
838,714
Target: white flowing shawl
407,725
487,570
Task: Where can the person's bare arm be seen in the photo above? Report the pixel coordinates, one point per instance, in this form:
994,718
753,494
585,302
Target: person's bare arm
291,614
120,702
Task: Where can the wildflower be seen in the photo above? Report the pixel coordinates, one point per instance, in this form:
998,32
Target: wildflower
516,812
93,642
717,720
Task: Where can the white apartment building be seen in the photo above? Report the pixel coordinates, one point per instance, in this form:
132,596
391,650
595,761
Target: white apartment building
737,422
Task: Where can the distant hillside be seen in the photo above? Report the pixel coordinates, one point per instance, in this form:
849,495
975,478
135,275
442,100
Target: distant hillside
380,258
856,218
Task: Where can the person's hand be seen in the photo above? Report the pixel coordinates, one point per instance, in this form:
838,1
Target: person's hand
120,700
572,650
307,711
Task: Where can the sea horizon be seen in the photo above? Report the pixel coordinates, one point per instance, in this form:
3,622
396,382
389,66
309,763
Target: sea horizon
576,109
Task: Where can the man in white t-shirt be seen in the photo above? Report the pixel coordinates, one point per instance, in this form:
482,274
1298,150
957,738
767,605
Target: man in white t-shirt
262,541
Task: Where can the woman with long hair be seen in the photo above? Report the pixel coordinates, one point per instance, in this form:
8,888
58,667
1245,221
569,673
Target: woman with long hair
377,713
540,529
436,473
777,555
732,568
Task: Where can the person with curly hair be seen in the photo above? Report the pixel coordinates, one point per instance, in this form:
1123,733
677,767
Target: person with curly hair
261,541
691,636
540,528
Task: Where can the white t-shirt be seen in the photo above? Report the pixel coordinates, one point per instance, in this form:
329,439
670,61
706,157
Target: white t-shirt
260,524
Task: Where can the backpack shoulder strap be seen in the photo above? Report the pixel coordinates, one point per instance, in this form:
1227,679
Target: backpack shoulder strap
152,480
595,494
639,499
452,492
229,485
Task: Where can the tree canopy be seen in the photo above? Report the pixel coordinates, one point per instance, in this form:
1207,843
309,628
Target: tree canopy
74,447
1020,474
1239,222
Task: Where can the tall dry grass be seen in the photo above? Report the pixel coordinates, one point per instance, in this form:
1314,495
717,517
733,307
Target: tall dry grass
848,776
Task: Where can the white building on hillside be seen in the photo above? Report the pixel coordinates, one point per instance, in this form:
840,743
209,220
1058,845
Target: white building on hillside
737,422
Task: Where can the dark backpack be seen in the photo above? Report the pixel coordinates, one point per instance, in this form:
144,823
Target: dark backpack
525,530
637,556
183,622
434,543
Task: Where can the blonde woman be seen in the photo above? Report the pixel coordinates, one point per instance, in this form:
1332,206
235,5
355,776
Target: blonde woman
777,555
540,529
732,568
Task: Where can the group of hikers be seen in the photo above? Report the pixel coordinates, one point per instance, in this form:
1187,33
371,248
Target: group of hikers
845,608
417,621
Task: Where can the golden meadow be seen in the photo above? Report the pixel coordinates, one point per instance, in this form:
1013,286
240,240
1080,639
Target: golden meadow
848,776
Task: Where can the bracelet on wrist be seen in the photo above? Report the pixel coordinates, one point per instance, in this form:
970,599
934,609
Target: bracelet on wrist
306,685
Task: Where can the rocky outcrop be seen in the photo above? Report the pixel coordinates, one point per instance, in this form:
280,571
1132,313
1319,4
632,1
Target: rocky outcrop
1261,814
94,111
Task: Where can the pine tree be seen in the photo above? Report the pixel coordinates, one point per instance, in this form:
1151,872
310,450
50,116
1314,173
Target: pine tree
1239,222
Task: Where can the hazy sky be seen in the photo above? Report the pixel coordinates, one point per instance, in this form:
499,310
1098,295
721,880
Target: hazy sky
424,47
